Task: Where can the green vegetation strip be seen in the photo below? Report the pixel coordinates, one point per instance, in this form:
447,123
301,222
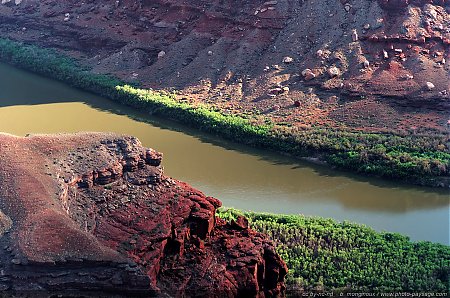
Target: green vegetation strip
323,254
421,159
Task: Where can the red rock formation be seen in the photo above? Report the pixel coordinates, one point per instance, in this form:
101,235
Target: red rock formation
400,4
93,212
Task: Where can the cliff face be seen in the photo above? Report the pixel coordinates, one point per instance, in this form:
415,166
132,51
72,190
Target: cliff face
94,212
369,65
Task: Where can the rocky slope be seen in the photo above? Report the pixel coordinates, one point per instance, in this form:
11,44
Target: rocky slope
91,212
367,65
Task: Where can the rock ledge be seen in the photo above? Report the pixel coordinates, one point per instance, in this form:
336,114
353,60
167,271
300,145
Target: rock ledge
94,212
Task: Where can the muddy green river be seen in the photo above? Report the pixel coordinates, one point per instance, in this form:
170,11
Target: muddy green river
241,177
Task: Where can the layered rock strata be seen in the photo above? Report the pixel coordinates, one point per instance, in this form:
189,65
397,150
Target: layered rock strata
366,65
95,213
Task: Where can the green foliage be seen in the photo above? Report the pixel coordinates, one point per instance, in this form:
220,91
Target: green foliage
418,158
51,64
200,116
411,157
347,256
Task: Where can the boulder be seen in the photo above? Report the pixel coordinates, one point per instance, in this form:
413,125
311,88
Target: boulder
288,60
429,86
334,71
308,74
355,35
161,54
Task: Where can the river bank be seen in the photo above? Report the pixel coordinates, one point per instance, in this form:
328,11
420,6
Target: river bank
249,178
414,158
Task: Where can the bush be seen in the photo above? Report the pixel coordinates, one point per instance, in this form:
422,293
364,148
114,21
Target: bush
350,257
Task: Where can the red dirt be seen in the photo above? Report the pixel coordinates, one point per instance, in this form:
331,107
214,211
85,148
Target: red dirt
230,54
95,212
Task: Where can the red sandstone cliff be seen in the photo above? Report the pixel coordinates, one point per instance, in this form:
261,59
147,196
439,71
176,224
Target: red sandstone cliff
294,61
94,212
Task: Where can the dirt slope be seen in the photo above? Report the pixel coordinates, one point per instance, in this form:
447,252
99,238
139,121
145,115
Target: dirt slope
230,54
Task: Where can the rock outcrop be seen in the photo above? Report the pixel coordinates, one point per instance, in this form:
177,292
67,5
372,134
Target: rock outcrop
95,213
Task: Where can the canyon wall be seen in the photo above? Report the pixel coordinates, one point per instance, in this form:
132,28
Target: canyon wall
370,65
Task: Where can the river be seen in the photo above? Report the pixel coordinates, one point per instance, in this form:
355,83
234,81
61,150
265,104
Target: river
239,176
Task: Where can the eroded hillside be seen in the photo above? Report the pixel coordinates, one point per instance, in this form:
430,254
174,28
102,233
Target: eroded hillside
367,65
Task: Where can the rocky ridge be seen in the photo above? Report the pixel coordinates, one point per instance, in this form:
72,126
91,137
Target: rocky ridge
95,213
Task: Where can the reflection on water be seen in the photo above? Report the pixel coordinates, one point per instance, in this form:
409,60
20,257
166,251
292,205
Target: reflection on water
241,177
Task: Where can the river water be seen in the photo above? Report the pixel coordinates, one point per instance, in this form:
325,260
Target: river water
241,177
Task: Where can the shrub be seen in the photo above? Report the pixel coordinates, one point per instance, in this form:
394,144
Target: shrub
350,257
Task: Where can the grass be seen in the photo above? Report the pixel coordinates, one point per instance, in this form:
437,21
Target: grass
422,159
326,255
